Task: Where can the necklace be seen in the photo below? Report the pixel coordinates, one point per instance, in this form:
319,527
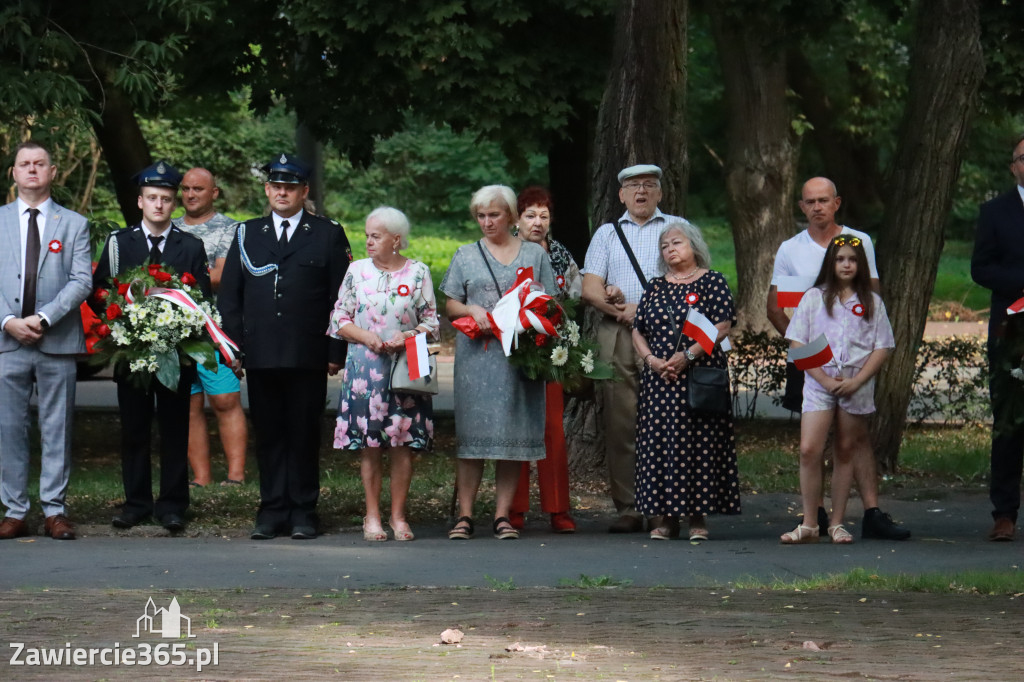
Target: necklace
680,278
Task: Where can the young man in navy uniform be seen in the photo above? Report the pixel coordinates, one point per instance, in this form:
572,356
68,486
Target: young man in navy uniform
280,282
154,240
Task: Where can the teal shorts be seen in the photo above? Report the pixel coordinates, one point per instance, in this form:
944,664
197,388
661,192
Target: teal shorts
215,383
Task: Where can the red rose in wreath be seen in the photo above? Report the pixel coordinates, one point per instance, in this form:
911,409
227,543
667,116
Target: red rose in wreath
101,294
403,290
153,269
542,340
162,276
692,298
122,289
102,331
55,246
858,310
188,279
113,311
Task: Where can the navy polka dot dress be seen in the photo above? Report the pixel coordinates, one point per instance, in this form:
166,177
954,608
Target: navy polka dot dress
685,461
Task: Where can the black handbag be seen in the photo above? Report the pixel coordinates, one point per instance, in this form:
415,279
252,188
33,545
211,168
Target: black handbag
708,390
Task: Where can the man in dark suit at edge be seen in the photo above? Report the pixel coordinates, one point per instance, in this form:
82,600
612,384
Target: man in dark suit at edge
998,264
154,240
280,282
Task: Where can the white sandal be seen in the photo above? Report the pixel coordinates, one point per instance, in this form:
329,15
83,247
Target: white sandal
801,535
839,535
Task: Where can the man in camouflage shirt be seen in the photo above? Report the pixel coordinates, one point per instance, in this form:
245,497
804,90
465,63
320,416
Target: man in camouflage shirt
198,192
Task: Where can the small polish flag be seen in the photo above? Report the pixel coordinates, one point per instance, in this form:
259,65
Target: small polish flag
815,354
791,289
701,330
1016,307
416,354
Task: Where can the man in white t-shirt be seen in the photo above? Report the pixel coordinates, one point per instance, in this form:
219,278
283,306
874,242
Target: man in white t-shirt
802,256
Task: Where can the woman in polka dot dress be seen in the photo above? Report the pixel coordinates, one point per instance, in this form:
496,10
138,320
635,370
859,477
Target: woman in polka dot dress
685,460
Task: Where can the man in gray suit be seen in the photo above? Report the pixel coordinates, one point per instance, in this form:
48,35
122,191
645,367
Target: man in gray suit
45,274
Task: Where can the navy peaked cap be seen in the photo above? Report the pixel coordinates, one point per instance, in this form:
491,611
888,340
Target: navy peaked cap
160,174
287,169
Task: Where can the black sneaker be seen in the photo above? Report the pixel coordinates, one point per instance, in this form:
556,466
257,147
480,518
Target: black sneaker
880,526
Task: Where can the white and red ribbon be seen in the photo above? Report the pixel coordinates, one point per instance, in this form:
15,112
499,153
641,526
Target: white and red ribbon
417,357
521,309
1016,307
180,298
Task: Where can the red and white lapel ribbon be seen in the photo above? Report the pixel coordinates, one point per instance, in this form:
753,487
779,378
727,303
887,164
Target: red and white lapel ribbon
417,357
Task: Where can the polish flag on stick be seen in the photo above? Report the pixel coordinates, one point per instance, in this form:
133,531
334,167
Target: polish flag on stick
791,289
1016,307
416,354
815,354
701,330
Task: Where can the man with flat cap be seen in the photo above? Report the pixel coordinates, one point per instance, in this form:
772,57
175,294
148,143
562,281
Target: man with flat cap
612,284
153,240
280,282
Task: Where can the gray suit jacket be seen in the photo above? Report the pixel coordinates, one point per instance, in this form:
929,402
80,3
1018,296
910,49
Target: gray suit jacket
64,277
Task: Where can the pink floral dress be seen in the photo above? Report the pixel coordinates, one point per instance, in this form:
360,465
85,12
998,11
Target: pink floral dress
369,414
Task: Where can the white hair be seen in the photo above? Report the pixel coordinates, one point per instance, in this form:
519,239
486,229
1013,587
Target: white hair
392,220
495,194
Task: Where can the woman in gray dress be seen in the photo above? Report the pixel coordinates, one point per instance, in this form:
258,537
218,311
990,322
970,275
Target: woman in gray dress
499,415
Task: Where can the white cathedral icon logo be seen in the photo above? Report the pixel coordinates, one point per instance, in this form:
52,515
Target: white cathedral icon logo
164,622
284,159
160,168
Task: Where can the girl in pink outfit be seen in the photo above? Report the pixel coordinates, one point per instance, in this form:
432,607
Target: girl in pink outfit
842,306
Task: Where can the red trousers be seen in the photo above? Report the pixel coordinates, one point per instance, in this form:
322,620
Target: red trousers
553,470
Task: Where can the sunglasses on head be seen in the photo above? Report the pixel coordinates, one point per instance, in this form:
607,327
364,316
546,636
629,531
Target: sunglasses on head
843,240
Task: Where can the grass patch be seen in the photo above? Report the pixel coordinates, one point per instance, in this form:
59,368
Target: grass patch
500,585
969,582
933,458
585,582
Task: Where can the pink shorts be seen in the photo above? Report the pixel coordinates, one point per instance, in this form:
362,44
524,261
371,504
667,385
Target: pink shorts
817,399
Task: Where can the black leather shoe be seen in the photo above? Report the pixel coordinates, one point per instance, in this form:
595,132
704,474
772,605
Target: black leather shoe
173,523
303,533
263,531
127,520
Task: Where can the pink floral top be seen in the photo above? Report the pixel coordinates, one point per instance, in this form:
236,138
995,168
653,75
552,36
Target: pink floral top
386,302
851,336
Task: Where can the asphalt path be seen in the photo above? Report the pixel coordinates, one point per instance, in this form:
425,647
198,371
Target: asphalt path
948,536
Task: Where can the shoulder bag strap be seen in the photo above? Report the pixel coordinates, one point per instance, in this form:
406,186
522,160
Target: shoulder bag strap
483,255
630,255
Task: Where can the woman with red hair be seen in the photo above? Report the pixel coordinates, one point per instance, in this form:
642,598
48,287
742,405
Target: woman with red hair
534,205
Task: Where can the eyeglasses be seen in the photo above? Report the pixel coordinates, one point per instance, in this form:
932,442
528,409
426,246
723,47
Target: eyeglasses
634,186
846,241
1018,159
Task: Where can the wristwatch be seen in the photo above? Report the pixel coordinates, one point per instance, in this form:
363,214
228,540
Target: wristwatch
43,323
689,355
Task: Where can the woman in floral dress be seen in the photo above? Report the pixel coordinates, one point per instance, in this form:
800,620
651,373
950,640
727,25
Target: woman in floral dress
384,299
685,460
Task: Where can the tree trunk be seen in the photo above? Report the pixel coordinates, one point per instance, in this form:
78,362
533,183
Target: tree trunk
568,161
945,73
760,164
641,120
642,116
124,147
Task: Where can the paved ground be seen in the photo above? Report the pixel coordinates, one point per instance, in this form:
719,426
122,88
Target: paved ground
947,537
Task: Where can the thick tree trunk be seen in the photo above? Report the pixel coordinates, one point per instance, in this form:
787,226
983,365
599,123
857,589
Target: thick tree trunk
946,71
761,158
642,116
641,120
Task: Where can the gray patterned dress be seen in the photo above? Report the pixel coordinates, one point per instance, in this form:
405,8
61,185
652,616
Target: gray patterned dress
498,413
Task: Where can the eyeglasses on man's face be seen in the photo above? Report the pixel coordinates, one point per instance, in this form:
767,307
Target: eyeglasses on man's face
649,185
